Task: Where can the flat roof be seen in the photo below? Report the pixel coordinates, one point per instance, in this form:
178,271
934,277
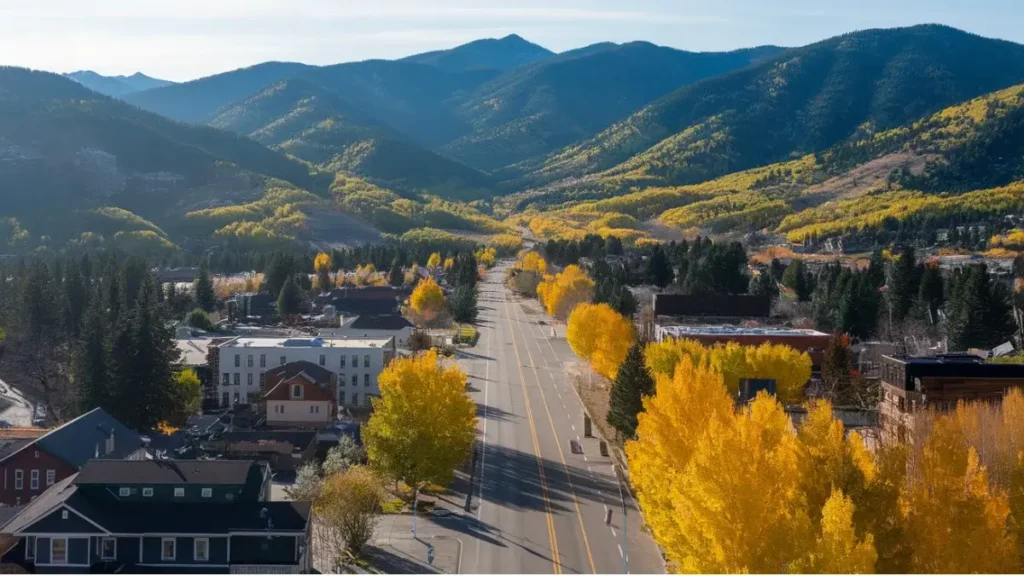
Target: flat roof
729,330
307,343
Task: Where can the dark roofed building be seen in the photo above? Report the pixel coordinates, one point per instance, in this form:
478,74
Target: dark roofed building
177,472
110,521
29,468
385,322
281,449
910,384
373,300
706,306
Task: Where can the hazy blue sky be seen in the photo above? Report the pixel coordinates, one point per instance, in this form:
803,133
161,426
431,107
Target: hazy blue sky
184,39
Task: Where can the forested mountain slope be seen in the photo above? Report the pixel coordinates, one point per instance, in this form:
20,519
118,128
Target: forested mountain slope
486,54
804,100
116,86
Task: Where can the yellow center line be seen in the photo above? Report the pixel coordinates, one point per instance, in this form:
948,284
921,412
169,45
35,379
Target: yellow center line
552,539
558,444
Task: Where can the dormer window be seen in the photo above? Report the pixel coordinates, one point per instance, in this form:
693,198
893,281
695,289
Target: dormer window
179,492
297,392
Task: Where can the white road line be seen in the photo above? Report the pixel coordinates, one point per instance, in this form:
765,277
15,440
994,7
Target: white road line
574,429
620,550
588,469
613,532
605,508
585,458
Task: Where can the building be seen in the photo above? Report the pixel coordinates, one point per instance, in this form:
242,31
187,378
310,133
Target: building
31,465
367,300
713,307
372,326
252,305
805,340
910,384
281,449
300,395
243,363
162,516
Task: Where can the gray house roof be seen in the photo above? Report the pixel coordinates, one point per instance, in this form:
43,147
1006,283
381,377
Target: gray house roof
167,472
85,437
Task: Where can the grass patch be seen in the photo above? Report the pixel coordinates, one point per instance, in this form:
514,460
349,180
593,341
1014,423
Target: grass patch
394,506
468,334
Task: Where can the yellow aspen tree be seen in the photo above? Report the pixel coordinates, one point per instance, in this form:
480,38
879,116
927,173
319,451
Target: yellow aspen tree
881,507
827,458
533,261
423,424
364,274
427,299
837,549
668,429
449,264
956,524
564,291
598,333
322,265
739,499
662,357
434,262
789,367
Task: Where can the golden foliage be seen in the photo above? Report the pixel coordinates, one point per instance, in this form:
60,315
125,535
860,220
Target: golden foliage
434,261
423,425
486,257
601,335
427,299
561,293
533,261
322,262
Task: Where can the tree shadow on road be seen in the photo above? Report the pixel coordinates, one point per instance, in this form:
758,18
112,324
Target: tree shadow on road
390,562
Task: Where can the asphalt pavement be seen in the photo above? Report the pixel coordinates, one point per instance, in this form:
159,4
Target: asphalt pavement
538,506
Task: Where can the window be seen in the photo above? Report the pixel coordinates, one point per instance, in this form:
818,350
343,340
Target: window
355,361
355,399
366,380
366,400
315,409
124,491
147,492
179,492
34,480
238,379
248,361
19,479
226,380
63,514
297,391
278,408
30,548
248,379
37,454
168,548
108,548
341,380
230,496
201,549
355,379
225,399
207,492
366,361
238,360
323,360
263,360
51,477
341,397
342,360
284,360
235,398
59,551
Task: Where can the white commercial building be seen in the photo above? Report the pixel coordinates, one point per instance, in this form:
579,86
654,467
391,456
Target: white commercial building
242,362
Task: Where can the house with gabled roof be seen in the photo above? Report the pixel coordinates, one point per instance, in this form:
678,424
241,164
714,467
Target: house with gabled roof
179,516
30,466
300,394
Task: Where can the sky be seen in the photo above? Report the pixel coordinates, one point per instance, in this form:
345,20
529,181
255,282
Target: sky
185,39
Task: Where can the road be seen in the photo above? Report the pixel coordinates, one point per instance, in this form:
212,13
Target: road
538,507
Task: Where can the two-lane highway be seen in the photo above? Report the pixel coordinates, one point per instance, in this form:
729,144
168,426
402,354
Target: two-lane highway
537,506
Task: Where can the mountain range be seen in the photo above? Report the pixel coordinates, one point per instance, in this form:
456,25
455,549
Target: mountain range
631,139
117,86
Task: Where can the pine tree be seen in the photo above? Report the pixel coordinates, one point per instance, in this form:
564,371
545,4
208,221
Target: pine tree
903,285
764,285
466,273
979,313
206,298
289,301
797,279
92,360
932,293
659,271
876,268
632,383
623,301
463,304
395,277
836,368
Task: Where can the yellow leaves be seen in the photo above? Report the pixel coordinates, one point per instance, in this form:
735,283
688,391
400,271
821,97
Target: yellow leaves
505,244
533,261
790,368
322,262
423,425
602,335
837,549
427,299
434,261
486,257
561,293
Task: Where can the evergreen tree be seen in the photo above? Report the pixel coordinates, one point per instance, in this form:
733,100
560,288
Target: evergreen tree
463,304
764,285
206,298
92,360
979,312
623,301
902,285
859,306
142,358
280,269
76,298
876,268
932,293
632,383
466,273
837,366
659,271
395,277
797,278
289,301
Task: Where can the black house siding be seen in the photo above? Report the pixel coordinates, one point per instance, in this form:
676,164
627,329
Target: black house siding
185,550
264,550
54,523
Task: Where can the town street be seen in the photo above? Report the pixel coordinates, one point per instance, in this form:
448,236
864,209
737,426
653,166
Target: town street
537,507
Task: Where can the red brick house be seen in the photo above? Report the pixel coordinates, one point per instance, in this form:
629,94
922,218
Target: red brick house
28,466
300,395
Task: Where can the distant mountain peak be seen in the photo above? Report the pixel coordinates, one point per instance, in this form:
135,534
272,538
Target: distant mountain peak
116,86
485,54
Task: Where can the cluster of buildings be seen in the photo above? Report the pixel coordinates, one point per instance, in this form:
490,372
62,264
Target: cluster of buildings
94,496
907,385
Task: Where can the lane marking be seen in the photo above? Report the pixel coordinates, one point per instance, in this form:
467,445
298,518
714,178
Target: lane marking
613,532
552,538
619,546
558,445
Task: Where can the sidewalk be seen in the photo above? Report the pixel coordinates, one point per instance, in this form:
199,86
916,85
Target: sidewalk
394,549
